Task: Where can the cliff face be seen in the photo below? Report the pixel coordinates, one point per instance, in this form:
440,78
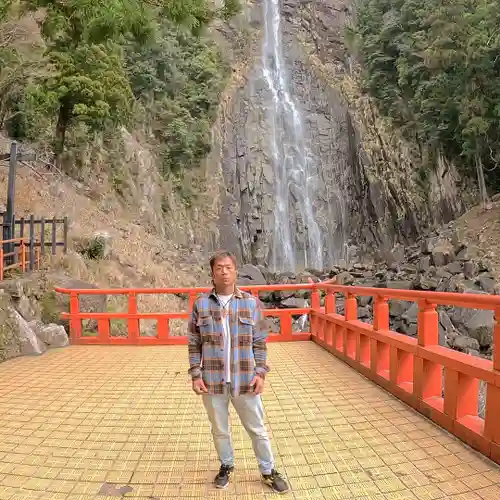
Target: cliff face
297,141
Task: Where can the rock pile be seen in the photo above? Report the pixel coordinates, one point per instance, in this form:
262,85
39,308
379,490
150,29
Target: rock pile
440,262
30,315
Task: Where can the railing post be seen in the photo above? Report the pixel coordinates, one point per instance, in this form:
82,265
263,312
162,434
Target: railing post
37,256
23,256
379,351
496,341
42,235
330,303
11,194
1,263
315,306
286,326
428,376
381,314
315,299
351,339
133,326
492,411
65,234
54,236
32,243
351,307
75,323
428,326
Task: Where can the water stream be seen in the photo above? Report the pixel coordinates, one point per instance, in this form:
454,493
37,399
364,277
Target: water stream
291,159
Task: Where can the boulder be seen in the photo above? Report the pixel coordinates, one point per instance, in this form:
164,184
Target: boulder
427,245
479,326
51,335
423,282
411,314
294,303
29,343
463,343
345,278
463,255
487,284
454,267
470,269
424,263
364,300
364,312
251,274
398,307
56,303
399,285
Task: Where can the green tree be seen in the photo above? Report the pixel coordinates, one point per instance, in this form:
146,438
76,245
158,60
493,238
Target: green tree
86,79
433,68
178,80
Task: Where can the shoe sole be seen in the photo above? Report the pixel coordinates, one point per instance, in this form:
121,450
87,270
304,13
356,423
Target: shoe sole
275,490
225,486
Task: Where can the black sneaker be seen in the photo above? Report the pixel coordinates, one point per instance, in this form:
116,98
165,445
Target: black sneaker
275,482
222,478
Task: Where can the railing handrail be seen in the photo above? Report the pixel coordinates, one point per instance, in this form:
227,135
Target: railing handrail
185,290
14,240
471,300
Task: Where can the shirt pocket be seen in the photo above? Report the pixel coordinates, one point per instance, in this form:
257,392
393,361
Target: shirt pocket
245,330
207,330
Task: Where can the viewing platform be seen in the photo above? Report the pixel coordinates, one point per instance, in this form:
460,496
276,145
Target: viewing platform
119,421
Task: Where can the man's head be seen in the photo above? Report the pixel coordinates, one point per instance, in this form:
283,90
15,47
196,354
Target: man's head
224,270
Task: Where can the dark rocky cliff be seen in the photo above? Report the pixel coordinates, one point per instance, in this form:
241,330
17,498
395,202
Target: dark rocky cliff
370,189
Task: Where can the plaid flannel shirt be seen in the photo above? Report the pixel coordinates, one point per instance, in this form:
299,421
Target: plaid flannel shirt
248,342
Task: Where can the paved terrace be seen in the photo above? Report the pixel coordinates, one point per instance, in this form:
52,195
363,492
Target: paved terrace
108,422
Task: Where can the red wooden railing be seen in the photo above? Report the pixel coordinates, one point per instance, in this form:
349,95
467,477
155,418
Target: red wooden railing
20,255
163,336
412,369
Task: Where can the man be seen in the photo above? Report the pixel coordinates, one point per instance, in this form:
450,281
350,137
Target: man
227,358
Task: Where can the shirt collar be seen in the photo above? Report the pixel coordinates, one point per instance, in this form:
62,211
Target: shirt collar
237,293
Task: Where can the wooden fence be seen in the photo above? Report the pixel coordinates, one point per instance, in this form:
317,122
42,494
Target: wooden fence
30,238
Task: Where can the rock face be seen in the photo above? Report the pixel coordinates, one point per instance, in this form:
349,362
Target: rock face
27,312
362,182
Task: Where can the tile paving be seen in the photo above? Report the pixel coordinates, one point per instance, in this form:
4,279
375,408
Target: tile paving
96,422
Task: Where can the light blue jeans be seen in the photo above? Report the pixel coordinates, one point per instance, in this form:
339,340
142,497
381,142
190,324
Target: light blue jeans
251,412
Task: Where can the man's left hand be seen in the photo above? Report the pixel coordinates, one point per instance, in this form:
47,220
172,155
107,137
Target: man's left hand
258,385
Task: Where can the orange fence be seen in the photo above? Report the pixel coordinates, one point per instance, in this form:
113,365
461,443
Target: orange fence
133,317
19,256
410,368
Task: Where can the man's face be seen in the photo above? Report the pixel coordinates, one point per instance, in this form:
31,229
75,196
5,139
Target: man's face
224,272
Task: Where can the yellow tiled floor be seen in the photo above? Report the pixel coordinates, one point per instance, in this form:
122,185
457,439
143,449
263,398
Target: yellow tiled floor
119,422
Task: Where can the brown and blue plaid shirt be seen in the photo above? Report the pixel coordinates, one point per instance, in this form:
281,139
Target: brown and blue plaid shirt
248,330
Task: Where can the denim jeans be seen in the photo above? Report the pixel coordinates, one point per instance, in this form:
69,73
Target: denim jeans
251,412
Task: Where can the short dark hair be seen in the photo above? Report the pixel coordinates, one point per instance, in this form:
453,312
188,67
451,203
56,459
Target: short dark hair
222,254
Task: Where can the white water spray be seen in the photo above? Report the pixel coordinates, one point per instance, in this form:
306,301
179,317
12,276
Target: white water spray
290,157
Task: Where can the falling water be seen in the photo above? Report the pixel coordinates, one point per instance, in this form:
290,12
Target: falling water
290,157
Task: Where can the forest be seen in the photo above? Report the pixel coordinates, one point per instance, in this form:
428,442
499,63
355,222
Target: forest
433,69
107,64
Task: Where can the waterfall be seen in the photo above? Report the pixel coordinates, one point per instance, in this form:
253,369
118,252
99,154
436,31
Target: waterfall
290,157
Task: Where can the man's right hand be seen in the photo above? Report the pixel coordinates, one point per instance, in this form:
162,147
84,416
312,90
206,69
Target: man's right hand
199,386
